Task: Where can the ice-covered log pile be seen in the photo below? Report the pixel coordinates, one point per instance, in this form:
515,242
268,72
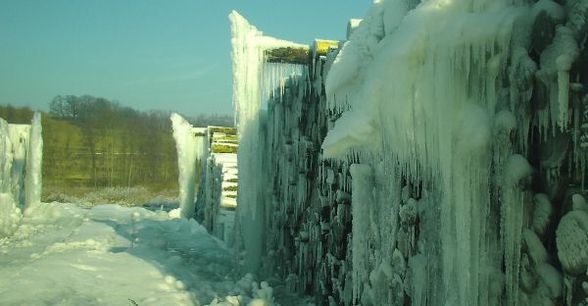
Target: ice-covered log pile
294,213
21,156
254,80
207,161
438,159
217,196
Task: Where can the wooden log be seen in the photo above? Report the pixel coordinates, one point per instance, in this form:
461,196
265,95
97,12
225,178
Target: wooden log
288,55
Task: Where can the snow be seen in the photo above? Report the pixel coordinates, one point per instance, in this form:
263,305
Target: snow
108,255
190,147
354,56
351,26
353,133
393,13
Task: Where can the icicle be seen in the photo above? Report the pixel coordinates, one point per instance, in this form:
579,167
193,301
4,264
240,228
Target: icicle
362,197
34,164
254,84
20,135
190,147
563,84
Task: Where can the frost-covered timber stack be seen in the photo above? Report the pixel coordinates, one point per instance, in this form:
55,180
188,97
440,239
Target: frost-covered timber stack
21,157
217,197
301,230
254,81
444,163
209,154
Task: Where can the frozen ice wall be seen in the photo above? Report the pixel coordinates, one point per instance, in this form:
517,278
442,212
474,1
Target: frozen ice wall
440,96
19,137
34,164
308,212
6,158
444,163
423,88
190,145
21,153
9,212
254,79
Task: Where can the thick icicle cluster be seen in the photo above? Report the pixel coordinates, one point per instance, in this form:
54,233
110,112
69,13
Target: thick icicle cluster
34,164
436,158
21,155
190,145
253,82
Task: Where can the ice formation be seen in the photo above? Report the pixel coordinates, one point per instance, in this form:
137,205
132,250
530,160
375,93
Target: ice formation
190,145
254,80
21,150
19,135
217,196
427,161
209,154
34,164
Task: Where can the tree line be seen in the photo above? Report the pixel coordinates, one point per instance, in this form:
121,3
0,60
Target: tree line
93,142
119,146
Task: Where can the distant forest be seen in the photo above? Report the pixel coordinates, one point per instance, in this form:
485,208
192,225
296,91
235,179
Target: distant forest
92,143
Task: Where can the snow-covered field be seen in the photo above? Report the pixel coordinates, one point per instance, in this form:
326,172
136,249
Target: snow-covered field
62,254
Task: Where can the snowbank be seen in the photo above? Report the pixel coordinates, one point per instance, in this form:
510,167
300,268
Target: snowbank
111,255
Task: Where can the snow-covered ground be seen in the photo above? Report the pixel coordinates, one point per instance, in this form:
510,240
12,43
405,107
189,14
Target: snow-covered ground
62,254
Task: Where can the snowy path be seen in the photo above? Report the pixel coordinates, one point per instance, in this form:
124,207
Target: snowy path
110,255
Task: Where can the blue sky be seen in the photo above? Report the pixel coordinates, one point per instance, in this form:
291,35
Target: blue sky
147,54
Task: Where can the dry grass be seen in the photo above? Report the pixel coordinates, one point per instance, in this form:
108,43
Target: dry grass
88,197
